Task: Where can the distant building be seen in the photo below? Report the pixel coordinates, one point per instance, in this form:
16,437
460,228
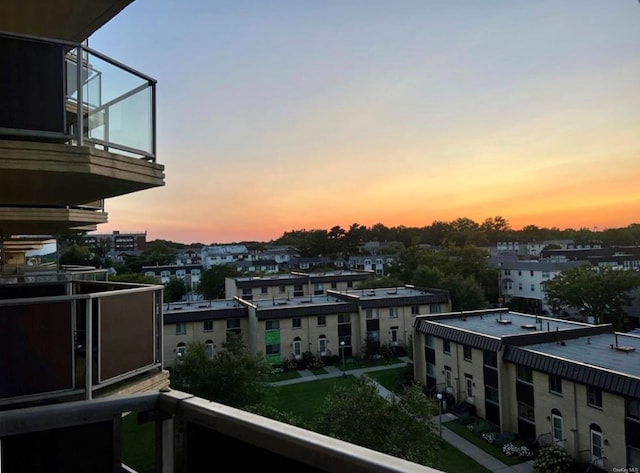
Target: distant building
116,241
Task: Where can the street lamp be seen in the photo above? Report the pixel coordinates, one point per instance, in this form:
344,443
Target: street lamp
344,371
439,396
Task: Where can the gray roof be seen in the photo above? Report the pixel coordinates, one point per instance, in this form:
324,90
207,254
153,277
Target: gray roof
542,265
392,296
610,361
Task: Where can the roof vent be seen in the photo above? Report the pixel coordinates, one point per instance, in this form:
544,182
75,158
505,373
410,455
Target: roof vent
529,326
625,348
503,321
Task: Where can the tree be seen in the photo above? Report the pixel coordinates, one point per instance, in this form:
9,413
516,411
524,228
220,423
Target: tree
212,281
358,414
174,290
75,254
233,376
159,252
597,293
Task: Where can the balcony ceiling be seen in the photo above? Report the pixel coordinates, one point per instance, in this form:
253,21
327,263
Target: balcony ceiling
71,20
41,174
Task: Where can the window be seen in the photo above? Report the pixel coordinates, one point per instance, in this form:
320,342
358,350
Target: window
322,345
233,324
181,273
373,335
429,341
519,273
370,314
344,318
531,272
594,397
181,328
525,374
393,333
322,321
246,292
272,325
490,358
349,284
415,310
596,445
467,352
209,348
520,286
533,287
435,308
507,272
264,290
556,428
334,285
282,289
468,382
633,409
207,325
272,349
181,349
297,347
447,377
393,312
431,370
555,384
491,394
525,411
446,346
633,457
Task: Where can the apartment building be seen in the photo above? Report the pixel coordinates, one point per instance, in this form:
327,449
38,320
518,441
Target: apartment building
293,284
326,325
573,384
116,241
189,273
525,280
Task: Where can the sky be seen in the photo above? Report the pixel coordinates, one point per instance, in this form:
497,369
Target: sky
280,115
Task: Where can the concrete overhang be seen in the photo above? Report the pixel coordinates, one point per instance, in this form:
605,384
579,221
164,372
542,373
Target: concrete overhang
38,174
70,20
48,221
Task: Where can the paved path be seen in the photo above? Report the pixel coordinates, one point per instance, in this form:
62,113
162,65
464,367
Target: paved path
479,455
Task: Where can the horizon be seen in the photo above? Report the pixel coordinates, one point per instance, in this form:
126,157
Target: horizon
302,114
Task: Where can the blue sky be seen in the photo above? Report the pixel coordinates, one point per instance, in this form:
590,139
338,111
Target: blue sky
281,115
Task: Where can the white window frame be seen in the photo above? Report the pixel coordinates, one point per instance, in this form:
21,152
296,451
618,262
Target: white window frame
297,349
557,430
322,346
596,443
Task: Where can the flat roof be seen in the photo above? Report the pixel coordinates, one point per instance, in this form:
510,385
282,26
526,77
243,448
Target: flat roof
504,323
294,301
617,352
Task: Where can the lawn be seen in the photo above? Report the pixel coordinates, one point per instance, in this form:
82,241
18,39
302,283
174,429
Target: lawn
391,378
136,443
304,399
464,432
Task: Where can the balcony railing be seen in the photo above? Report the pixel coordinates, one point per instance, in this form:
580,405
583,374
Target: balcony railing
66,92
191,435
70,340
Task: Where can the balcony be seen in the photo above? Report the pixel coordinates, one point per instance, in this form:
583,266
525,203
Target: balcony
76,127
66,340
191,434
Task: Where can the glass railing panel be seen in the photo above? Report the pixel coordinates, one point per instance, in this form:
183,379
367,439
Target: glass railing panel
119,107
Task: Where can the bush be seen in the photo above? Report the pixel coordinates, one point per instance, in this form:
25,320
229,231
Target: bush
552,459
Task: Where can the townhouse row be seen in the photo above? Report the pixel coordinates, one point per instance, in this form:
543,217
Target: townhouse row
555,381
327,325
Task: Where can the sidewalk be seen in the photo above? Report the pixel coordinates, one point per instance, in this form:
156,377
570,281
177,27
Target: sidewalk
479,455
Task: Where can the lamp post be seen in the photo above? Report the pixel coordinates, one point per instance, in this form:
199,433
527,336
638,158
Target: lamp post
439,396
344,371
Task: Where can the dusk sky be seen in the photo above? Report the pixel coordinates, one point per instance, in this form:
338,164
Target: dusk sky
297,114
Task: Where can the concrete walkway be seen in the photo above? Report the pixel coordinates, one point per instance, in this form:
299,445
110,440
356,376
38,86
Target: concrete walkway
479,455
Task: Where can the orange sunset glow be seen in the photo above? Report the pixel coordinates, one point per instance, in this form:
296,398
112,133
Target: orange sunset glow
306,115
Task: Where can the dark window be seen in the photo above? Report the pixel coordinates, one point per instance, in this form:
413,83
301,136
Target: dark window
526,411
415,310
334,285
594,396
555,384
491,394
208,325
468,352
272,325
322,320
490,358
296,322
446,346
633,409
233,324
525,374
